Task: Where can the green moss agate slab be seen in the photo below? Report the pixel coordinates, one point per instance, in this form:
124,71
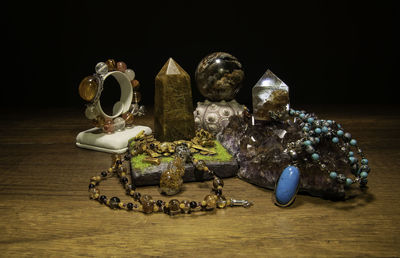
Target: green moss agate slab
223,164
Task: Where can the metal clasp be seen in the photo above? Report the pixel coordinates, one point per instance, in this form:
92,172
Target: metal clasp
244,203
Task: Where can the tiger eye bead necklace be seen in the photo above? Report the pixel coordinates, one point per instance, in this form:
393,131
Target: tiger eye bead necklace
146,204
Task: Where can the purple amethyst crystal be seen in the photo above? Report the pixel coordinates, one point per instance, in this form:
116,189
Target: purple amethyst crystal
260,149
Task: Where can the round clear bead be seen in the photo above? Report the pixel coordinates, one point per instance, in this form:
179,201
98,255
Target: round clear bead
130,73
119,124
91,112
101,68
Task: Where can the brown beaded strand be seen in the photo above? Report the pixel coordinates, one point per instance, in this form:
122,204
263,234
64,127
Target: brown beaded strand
146,204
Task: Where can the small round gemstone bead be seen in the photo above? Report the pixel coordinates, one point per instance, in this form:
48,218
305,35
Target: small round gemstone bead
315,156
173,206
339,133
364,161
325,129
159,203
114,202
307,142
108,128
211,201
349,181
101,68
185,206
135,84
193,204
293,154
130,187
292,112
363,182
119,123
147,203
200,165
129,206
91,186
333,175
353,142
347,136
91,112
352,159
351,154
317,130
104,173
112,66
316,139
335,140
136,196
365,168
221,201
124,180
121,66
363,174
103,198
218,191
310,120
130,73
302,115
217,182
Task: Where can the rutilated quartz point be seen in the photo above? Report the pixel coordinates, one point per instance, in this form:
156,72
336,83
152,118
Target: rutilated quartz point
173,106
270,97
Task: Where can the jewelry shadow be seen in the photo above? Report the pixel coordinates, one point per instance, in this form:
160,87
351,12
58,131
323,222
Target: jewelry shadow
353,199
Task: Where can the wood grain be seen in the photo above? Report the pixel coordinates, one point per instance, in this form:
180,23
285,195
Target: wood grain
45,209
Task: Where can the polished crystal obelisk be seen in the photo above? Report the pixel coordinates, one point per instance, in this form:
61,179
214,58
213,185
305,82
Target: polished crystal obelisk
173,105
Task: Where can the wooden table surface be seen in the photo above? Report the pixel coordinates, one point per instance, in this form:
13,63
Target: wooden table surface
45,209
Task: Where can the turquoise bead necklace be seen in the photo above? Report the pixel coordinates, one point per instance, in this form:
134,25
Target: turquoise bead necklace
314,130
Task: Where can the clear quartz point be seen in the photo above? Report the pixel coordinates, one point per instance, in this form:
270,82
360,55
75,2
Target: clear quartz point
270,98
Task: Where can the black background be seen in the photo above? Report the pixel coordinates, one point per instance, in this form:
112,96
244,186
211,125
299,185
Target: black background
327,51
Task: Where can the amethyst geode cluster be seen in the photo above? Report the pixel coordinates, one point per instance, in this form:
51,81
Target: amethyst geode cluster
259,148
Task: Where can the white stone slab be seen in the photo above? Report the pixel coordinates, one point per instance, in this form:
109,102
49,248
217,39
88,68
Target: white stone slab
117,142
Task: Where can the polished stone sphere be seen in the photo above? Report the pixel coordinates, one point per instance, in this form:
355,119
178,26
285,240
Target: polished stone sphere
219,76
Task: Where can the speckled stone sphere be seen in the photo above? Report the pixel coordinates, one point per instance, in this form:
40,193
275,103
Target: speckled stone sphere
219,76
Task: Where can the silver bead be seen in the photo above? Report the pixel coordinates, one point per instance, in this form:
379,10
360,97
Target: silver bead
310,149
341,178
293,154
347,136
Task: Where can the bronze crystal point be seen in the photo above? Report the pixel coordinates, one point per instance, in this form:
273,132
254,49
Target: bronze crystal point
173,105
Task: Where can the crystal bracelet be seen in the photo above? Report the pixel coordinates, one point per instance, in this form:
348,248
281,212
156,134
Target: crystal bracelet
125,109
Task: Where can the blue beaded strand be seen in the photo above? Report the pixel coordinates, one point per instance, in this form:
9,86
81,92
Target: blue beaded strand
313,127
